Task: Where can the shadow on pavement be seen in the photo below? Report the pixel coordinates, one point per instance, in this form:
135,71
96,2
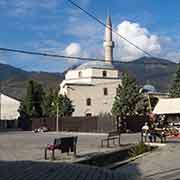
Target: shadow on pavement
173,141
62,171
130,170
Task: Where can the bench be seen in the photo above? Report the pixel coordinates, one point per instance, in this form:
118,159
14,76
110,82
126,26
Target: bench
115,135
64,144
161,134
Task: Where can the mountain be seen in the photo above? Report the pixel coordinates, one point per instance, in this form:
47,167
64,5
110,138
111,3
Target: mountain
154,71
14,80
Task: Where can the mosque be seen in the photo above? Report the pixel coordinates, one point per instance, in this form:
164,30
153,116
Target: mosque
92,86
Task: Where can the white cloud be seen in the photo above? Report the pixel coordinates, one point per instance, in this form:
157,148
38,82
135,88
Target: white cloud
173,56
54,47
139,36
3,62
73,49
91,40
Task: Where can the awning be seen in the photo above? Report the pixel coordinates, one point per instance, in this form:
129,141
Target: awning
167,106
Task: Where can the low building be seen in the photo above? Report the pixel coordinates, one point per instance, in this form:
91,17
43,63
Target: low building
8,111
170,107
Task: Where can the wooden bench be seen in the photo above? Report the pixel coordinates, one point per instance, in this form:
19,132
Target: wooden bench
64,144
115,135
161,134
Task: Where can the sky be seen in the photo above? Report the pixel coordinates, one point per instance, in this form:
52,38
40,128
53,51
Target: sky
56,26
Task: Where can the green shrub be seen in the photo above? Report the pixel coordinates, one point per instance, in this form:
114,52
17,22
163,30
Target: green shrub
140,148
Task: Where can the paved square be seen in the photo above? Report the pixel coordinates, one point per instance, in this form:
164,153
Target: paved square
16,146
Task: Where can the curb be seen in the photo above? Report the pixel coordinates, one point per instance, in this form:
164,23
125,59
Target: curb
78,133
122,163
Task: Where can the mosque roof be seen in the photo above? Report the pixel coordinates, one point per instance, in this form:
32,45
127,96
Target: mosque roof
149,88
96,65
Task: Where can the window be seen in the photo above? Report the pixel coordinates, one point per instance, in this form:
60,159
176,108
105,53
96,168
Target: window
88,101
105,91
80,74
117,91
104,73
88,114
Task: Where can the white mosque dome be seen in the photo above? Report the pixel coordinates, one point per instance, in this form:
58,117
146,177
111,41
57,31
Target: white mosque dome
96,65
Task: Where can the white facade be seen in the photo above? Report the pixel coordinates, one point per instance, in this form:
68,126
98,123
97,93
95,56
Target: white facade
92,86
8,110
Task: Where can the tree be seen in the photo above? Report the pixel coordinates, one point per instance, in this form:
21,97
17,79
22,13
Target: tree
128,100
47,103
64,104
37,103
175,88
33,101
23,119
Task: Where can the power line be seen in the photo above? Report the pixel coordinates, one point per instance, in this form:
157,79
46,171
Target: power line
100,22
72,57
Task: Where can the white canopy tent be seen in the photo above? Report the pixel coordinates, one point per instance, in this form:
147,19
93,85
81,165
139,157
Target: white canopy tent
167,106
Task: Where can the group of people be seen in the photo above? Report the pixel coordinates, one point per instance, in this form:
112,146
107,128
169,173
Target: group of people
152,132
148,132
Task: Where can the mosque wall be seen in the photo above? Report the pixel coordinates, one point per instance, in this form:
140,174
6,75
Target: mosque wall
100,103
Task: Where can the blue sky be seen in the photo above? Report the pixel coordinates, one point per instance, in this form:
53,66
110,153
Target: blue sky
58,27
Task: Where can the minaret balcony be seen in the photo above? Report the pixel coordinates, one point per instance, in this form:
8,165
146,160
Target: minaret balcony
109,44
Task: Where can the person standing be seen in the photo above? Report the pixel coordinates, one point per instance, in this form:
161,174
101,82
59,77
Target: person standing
145,130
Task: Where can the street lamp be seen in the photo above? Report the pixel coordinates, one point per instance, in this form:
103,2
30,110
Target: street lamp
57,115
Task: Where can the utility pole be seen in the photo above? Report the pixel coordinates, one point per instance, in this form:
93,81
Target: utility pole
0,104
57,117
56,105
149,102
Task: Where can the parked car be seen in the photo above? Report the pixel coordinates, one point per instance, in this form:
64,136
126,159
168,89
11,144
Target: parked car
175,127
41,129
44,129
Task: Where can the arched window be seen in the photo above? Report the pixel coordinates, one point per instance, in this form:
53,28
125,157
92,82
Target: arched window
104,73
88,101
80,74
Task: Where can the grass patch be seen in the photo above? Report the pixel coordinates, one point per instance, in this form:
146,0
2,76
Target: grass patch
138,149
110,158
106,159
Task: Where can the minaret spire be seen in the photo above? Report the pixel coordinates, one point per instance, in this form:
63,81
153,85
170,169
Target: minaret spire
108,43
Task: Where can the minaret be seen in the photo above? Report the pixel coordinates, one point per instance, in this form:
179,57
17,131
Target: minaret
108,43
